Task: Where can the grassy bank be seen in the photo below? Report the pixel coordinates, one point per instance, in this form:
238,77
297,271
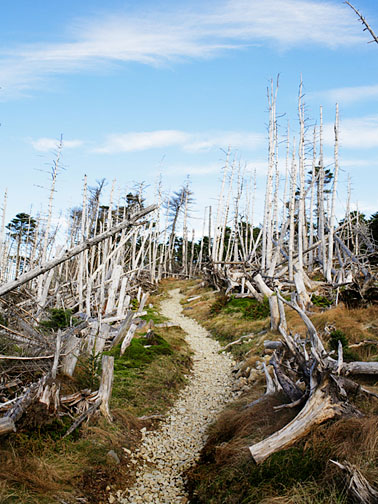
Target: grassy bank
39,466
303,473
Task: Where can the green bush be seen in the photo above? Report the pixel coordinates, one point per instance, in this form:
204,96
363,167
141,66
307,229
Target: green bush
336,336
59,319
321,301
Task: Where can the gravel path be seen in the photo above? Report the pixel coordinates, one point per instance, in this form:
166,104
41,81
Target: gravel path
165,454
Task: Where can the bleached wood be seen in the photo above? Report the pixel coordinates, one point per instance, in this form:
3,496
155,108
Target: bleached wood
129,336
303,297
358,486
72,351
7,425
105,390
319,407
273,305
43,268
58,344
112,292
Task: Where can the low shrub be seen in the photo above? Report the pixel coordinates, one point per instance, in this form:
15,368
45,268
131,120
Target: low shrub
336,336
321,301
249,308
59,319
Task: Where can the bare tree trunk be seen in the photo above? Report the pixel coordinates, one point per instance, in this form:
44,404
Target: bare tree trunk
332,214
293,185
311,216
74,251
301,206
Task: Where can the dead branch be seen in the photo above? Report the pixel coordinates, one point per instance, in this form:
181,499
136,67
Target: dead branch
364,22
358,486
43,268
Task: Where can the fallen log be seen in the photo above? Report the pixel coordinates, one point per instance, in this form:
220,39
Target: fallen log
6,426
68,254
321,406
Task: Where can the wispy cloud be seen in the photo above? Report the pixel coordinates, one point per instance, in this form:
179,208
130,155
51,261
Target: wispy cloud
197,170
359,132
347,95
48,144
190,142
201,31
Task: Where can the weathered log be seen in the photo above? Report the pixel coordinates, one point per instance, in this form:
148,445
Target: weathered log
303,297
23,402
54,368
72,351
358,486
129,336
359,367
273,304
272,345
254,292
123,329
105,390
6,426
321,406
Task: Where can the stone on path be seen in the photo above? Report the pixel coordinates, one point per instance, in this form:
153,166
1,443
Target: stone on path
165,454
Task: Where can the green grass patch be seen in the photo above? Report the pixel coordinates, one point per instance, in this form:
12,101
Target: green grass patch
250,308
150,372
155,316
243,482
321,301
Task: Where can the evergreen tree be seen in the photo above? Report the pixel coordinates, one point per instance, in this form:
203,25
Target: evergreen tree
22,230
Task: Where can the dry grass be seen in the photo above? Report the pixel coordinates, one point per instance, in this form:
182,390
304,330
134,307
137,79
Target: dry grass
302,473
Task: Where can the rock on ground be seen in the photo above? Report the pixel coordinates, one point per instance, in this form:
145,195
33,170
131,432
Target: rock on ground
167,453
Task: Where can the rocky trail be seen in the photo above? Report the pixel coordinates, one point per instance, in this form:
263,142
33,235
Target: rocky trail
165,454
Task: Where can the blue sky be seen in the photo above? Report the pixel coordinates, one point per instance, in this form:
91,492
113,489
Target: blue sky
139,89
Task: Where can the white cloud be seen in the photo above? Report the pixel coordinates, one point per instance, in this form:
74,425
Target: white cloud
190,142
236,140
359,132
138,141
48,144
347,95
205,169
201,31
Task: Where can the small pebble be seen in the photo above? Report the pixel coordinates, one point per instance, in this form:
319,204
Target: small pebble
165,454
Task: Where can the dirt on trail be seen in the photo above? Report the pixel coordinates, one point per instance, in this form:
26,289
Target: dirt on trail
165,454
